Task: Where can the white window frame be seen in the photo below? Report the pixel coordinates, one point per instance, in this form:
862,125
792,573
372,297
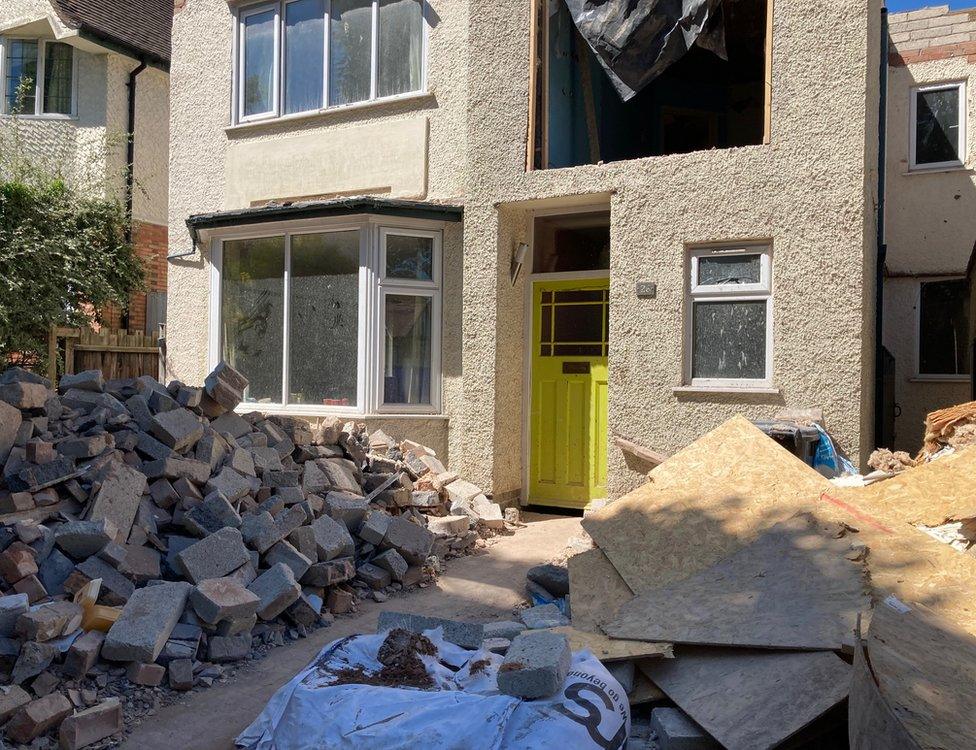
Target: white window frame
761,292
279,73
960,87
372,296
38,113
931,376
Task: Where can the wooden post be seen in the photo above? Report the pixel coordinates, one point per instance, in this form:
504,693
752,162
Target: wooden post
52,357
768,78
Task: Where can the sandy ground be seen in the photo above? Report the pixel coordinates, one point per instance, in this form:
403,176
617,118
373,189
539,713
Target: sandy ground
479,588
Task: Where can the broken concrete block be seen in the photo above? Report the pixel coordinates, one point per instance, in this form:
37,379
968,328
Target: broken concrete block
543,616
17,562
332,539
183,643
225,386
82,539
462,491
10,421
221,649
83,654
392,562
489,513
303,539
33,659
32,586
12,697
116,588
446,526
178,429
217,599
89,380
553,578
374,576
146,622
409,539
277,589
535,666
140,564
86,446
283,552
148,675
118,498
15,502
465,634
374,527
325,475
339,601
49,621
181,674
11,608
676,731
330,573
505,629
237,626
163,493
24,395
91,725
624,673
230,484
348,509
214,556
213,514
38,717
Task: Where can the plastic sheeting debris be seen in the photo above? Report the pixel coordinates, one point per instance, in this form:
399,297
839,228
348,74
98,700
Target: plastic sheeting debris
463,711
637,40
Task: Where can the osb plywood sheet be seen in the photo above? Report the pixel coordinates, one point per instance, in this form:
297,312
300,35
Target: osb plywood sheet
931,494
596,590
608,649
751,700
926,671
794,587
872,724
702,505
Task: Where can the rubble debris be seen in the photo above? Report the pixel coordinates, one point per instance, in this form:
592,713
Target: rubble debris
891,462
90,725
954,427
675,731
543,616
535,666
464,634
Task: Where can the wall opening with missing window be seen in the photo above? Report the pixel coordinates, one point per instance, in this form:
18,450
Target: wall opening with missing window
700,102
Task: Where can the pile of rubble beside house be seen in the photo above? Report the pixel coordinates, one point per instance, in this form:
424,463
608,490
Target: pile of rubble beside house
153,534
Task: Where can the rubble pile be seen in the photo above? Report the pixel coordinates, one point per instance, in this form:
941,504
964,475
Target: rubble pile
152,534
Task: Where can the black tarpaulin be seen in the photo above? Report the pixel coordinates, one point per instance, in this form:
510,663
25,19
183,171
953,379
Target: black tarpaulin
636,40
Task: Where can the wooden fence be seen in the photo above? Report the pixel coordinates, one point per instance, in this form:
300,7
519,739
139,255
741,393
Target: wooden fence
118,354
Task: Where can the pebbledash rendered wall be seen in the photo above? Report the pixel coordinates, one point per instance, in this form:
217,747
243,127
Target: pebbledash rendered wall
931,221
811,192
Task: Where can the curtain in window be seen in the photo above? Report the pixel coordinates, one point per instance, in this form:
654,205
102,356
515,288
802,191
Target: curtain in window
58,60
401,41
350,51
259,44
304,55
408,356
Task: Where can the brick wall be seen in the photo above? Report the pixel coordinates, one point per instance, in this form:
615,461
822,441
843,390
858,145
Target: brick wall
151,243
934,33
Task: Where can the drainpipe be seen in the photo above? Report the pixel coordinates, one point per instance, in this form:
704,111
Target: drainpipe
130,147
882,248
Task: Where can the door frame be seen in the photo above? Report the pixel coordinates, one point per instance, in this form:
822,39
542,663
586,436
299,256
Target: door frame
527,317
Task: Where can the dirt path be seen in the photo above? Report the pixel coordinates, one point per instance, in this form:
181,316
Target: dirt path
484,587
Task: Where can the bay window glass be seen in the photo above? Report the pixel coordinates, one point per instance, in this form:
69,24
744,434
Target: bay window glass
258,70
304,54
401,38
58,76
252,313
407,349
21,76
324,325
350,51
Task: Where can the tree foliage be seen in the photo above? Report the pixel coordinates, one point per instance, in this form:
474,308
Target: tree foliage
64,252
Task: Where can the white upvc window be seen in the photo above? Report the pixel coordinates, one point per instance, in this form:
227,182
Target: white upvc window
39,78
729,326
331,316
297,57
938,126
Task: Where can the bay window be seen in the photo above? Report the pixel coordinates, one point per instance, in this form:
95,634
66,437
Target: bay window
332,318
298,56
38,77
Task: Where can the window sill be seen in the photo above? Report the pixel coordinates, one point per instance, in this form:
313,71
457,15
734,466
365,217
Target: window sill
42,118
912,171
318,412
327,112
683,390
939,379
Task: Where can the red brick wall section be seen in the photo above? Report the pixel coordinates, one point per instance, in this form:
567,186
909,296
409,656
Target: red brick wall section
151,242
935,33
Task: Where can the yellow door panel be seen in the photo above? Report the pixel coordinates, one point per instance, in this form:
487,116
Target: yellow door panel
568,451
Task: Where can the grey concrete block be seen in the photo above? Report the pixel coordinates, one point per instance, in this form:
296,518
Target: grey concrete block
231,484
118,498
303,539
82,539
348,509
217,599
465,634
392,562
505,629
213,514
179,429
676,731
535,666
409,539
225,386
260,531
213,557
283,552
54,571
332,539
277,589
543,616
330,573
325,475
553,578
146,622
374,576
227,648
374,527
622,672
116,588
11,608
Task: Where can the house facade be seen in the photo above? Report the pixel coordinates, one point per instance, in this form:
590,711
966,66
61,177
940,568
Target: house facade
442,218
931,222
93,77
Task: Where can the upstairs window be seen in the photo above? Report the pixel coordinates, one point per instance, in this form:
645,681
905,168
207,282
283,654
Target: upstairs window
38,77
938,138
300,56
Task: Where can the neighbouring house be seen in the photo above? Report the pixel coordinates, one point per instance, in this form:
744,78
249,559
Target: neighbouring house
931,213
96,77
450,220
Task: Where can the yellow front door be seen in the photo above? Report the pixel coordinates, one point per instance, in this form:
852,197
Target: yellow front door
568,461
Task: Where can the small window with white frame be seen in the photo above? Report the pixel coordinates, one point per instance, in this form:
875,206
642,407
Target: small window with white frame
938,126
38,77
943,329
729,334
302,56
